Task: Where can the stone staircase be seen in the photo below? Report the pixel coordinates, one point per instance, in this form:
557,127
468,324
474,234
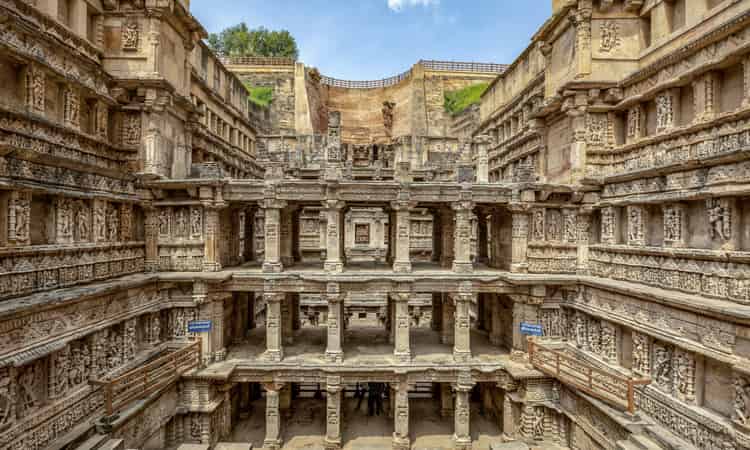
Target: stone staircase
101,442
654,437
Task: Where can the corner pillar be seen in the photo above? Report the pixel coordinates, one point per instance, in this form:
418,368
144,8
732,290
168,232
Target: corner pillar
519,240
461,420
402,244
462,333
462,238
401,440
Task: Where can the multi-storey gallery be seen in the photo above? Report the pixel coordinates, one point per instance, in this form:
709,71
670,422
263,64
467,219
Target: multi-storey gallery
565,265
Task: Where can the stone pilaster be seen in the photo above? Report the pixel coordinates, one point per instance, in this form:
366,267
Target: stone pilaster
272,213
481,159
519,240
583,237
447,230
462,333
462,416
334,351
274,343
334,394
272,440
401,440
462,239
402,261
211,255
746,81
705,101
334,262
635,124
402,347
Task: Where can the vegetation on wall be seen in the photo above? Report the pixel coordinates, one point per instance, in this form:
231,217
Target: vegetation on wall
456,102
260,95
240,40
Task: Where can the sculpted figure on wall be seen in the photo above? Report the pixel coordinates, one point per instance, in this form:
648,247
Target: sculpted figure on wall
684,372
35,88
22,215
539,225
29,381
181,222
100,220
7,398
64,218
719,219
741,400
196,222
554,225
82,222
164,222
636,225
130,35
664,111
113,223
610,36
641,354
662,371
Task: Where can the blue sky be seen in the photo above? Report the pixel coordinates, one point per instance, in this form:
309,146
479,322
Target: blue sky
371,39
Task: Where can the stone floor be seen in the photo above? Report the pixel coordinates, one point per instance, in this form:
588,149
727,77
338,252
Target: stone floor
366,346
305,428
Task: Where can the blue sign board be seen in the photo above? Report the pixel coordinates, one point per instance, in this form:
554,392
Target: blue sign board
199,326
530,329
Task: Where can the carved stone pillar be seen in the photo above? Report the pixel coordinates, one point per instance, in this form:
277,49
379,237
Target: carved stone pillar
273,423
582,22
637,225
274,344
583,237
675,225
286,228
19,218
519,343
447,225
705,101
462,333
287,319
272,213
462,238
334,236
334,351
481,160
402,261
519,240
59,367
496,335
482,253
334,394
462,427
402,347
447,332
446,400
212,238
401,440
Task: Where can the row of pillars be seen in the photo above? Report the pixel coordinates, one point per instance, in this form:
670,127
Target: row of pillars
460,409
454,323
452,235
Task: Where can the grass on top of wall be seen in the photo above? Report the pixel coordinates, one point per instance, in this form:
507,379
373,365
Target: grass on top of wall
456,102
260,95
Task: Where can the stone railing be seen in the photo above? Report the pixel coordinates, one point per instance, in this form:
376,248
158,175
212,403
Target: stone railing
39,268
453,66
573,370
716,274
369,84
149,378
684,146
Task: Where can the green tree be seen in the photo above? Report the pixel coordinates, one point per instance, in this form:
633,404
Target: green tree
239,40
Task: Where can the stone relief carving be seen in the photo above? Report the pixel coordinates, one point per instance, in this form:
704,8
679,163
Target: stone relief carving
71,107
164,219
35,88
196,222
662,366
539,229
741,408
665,116
64,219
82,232
719,219
100,221
609,36
636,225
554,225
113,223
684,375
570,226
20,218
674,217
181,222
131,129
130,35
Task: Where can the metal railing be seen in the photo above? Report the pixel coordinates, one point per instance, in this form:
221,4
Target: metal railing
149,378
612,388
454,66
369,84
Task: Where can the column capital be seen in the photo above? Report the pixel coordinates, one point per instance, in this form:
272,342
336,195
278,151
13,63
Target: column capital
463,206
333,384
403,205
273,386
464,383
274,297
401,296
333,204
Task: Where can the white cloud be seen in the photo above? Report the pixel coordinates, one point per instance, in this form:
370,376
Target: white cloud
398,5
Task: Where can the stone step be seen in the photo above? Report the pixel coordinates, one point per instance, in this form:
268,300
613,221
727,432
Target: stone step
666,439
643,442
93,443
113,444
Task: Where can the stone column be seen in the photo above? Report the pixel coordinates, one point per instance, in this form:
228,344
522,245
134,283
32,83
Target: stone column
447,331
401,440
482,144
334,236
402,261
273,421
151,234
519,239
496,335
333,413
334,351
509,424
274,344
482,254
462,333
402,347
462,237
746,81
446,400
462,430
272,227
287,319
211,256
583,236
447,230
287,216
